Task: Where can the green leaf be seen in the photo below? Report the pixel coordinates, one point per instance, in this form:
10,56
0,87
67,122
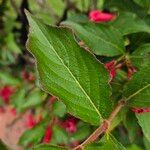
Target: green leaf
128,23
2,146
144,122
69,72
137,90
146,143
104,40
59,109
34,98
33,135
141,56
59,136
48,147
6,78
134,147
131,125
18,99
143,3
82,132
106,143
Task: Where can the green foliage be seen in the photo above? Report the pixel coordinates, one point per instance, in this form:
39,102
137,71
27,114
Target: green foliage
83,69
106,41
144,121
136,91
33,135
107,143
136,24
46,147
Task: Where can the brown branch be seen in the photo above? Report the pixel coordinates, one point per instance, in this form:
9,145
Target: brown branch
103,127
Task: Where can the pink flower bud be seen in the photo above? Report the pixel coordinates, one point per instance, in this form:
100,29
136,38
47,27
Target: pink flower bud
111,68
30,121
70,125
48,135
5,93
99,16
141,110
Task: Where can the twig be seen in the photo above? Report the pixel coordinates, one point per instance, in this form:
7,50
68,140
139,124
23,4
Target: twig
103,128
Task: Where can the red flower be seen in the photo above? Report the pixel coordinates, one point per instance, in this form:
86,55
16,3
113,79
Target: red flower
99,16
30,121
141,110
5,93
111,68
27,76
70,125
48,135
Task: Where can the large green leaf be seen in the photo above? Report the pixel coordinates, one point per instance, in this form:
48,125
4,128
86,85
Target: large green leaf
137,90
101,39
141,56
69,72
143,3
106,144
128,23
48,147
144,121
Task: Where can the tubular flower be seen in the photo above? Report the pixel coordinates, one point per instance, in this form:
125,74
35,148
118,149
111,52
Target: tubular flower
70,125
30,121
48,135
110,66
141,110
99,16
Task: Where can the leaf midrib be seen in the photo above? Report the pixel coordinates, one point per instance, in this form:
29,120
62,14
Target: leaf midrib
71,74
137,92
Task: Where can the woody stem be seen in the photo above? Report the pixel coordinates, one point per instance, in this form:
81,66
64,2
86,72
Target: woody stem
103,127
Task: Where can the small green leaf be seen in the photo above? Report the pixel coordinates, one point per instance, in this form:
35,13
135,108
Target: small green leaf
141,56
105,40
131,125
59,108
137,90
143,3
59,136
48,147
144,122
69,72
82,132
105,143
33,99
128,23
33,135
6,78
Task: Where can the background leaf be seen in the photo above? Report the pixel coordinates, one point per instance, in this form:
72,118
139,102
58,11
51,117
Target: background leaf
141,56
106,143
144,122
136,24
105,41
137,90
48,147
